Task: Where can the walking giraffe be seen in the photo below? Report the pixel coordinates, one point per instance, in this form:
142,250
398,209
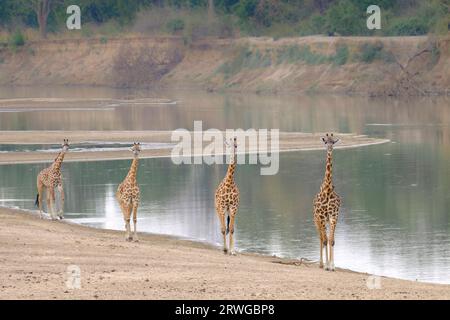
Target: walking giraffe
227,200
128,194
326,207
49,179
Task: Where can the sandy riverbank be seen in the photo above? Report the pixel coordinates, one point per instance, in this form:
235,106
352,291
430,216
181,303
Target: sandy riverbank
289,141
35,255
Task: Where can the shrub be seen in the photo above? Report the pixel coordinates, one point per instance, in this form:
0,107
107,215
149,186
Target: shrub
344,18
342,54
175,25
408,27
17,39
293,54
370,51
318,24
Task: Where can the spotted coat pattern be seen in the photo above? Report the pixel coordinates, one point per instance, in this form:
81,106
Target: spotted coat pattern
326,206
50,179
128,195
227,202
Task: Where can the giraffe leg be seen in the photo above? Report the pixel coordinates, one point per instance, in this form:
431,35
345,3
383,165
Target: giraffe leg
52,203
323,241
127,215
331,244
231,228
49,204
221,214
40,194
61,195
135,207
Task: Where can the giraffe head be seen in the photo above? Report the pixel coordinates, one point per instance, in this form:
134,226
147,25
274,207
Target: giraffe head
329,141
65,145
136,148
232,144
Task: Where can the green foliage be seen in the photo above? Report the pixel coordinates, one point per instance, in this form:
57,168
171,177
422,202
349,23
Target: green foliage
371,51
345,19
303,53
408,27
342,55
275,18
17,39
175,25
245,58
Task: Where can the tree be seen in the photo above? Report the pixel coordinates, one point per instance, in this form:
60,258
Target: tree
210,9
6,11
42,9
345,18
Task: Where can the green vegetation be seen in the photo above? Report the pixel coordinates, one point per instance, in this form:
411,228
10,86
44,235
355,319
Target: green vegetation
247,58
17,39
342,55
275,18
175,25
370,52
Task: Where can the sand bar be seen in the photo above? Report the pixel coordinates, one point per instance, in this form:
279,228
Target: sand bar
289,141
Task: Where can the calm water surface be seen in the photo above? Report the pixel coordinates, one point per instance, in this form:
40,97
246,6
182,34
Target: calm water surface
396,202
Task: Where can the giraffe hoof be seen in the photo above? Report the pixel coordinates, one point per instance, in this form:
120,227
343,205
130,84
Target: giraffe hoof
225,251
233,253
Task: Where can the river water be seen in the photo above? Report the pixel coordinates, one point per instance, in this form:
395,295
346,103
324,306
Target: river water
395,217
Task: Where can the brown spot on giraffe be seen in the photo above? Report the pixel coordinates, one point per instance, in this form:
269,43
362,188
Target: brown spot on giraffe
128,195
326,206
50,179
227,202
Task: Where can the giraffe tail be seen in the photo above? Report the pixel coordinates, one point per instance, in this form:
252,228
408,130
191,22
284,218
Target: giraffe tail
36,203
228,224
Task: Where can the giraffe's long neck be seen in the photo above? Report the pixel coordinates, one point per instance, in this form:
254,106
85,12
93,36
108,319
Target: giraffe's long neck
133,169
58,161
231,168
327,184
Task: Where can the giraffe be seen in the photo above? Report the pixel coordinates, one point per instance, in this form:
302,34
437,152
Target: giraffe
128,195
227,200
326,207
49,179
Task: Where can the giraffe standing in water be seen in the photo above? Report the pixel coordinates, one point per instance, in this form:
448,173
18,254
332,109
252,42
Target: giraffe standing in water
49,179
227,201
326,208
128,195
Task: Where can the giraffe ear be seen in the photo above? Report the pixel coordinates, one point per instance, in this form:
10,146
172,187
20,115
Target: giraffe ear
323,139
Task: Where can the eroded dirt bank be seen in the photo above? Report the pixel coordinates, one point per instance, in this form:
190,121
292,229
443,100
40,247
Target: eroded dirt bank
387,65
